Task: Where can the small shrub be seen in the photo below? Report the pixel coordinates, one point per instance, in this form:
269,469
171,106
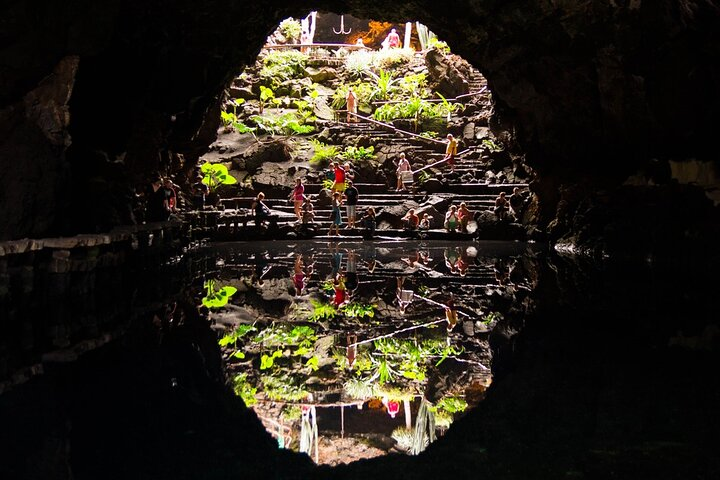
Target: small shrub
324,154
290,29
244,390
358,154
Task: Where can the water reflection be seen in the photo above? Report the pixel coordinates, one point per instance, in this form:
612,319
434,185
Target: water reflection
348,351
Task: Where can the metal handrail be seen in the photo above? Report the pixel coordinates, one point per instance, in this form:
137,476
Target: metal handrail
386,102
394,128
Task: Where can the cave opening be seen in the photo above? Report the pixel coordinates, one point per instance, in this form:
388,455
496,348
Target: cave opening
285,119
108,367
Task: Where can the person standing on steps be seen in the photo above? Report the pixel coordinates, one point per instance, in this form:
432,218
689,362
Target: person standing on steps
351,101
402,170
339,183
336,215
298,196
393,39
451,151
351,200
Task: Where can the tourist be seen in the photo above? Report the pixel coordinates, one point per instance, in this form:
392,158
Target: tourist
351,200
393,406
336,215
298,275
171,195
393,39
403,167
501,206
199,192
339,178
450,314
157,206
425,222
464,216
463,262
351,277
404,296
451,219
351,349
298,197
351,101
339,291
260,210
349,172
450,151
368,222
304,40
411,220
517,202
451,258
335,260
308,214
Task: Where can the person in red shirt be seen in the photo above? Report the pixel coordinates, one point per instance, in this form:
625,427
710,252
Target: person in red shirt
339,185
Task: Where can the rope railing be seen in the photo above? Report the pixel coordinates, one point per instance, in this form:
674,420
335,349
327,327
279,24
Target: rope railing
432,100
393,128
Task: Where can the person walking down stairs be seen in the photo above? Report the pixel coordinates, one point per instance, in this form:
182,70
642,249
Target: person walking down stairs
451,151
402,171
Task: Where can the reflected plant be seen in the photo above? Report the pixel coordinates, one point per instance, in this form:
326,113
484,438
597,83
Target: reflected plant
404,438
322,311
244,390
283,388
291,413
359,389
358,310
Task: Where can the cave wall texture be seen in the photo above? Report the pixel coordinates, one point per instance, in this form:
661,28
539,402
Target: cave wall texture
95,95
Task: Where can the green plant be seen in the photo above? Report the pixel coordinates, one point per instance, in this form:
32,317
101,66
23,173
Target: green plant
392,58
423,177
291,413
384,84
266,94
438,44
358,154
359,62
232,337
324,154
451,404
244,390
358,310
359,389
492,146
286,124
414,85
268,361
217,298
491,317
404,438
283,388
322,311
282,65
290,29
327,184
216,174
